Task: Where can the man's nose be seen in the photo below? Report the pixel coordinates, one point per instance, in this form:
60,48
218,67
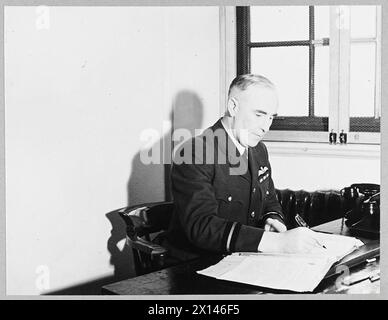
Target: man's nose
265,125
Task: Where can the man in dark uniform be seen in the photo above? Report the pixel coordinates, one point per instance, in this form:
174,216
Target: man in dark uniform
223,192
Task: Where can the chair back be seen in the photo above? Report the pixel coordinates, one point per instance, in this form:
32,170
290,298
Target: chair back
314,207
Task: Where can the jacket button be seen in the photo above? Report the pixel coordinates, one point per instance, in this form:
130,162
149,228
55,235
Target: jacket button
267,193
230,198
254,190
253,214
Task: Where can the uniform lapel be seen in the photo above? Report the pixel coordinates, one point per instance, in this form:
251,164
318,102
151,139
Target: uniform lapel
253,165
233,157
257,165
243,163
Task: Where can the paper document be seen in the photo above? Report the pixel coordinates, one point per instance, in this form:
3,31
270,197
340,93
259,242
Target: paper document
337,246
295,272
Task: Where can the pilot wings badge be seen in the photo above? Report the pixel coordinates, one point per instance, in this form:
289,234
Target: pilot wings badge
261,172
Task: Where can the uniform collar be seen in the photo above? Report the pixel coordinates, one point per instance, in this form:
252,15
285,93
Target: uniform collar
241,149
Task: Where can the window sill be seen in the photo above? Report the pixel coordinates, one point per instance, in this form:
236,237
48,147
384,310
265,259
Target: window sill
367,138
323,149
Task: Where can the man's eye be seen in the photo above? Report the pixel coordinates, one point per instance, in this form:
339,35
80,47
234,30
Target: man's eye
261,115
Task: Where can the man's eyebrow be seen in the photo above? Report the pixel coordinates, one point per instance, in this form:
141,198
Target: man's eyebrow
263,112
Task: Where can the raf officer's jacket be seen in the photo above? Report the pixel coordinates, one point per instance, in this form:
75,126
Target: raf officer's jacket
221,198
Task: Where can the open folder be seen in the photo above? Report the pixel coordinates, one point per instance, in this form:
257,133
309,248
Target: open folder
295,272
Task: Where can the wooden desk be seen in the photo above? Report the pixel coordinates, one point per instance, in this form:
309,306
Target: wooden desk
183,279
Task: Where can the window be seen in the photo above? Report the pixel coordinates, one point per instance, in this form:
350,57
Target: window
325,63
364,76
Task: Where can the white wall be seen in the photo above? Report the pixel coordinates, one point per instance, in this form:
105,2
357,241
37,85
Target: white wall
78,95
322,167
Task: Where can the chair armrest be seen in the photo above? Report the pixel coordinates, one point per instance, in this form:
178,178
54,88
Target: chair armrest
147,247
144,219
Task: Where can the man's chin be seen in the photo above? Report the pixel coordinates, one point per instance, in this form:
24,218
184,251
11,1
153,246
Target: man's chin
254,142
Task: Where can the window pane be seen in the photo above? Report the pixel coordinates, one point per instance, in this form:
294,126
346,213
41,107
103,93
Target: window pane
288,69
362,79
279,23
321,92
363,21
322,21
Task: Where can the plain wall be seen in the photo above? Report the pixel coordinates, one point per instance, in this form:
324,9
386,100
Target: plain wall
82,84
312,172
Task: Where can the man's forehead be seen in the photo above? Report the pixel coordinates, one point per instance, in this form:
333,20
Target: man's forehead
261,99
252,90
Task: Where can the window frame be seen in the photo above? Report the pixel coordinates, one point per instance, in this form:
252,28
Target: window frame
316,129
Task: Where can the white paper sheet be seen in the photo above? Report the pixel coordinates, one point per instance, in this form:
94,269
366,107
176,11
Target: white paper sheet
337,246
280,272
296,272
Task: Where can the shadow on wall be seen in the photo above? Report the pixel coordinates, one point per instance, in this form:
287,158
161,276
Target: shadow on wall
146,182
120,259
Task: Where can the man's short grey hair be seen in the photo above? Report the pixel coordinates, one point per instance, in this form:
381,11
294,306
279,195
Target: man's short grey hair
243,81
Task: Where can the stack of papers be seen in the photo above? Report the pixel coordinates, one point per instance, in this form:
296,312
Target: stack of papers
295,272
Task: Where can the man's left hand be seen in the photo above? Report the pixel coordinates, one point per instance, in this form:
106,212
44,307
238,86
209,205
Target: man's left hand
274,225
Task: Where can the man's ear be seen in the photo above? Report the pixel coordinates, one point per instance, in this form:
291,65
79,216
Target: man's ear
232,107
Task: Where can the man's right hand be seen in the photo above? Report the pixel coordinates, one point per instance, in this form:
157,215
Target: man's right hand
298,240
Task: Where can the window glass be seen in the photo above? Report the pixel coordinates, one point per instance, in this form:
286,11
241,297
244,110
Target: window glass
288,69
322,22
279,23
321,91
362,79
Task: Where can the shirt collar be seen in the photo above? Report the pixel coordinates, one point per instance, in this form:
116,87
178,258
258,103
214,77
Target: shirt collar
241,149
